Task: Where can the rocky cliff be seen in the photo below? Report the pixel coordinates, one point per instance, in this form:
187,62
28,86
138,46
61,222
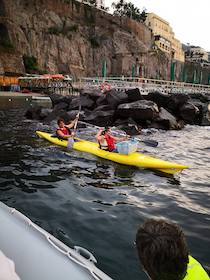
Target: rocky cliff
66,36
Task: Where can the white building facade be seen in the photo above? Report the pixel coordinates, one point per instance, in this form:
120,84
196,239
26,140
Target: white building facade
100,3
196,54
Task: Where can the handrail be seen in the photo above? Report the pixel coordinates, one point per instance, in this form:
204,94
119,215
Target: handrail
145,84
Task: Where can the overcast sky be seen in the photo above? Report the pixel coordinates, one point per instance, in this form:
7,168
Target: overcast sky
190,19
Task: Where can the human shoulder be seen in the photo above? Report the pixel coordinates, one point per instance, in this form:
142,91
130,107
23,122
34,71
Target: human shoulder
195,270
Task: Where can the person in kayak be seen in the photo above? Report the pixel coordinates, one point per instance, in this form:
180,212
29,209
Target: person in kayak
164,254
107,141
64,130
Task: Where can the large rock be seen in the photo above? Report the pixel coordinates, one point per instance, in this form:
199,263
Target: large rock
134,95
202,117
72,115
139,110
208,114
101,118
56,114
114,98
176,100
159,98
74,105
84,100
102,101
93,94
57,98
33,113
204,98
103,108
129,126
45,113
165,120
61,106
188,112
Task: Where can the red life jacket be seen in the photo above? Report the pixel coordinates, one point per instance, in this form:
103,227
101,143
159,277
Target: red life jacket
64,130
110,142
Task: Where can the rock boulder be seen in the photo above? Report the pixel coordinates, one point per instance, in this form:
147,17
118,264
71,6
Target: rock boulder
134,95
188,112
114,98
176,100
100,118
166,120
159,98
139,110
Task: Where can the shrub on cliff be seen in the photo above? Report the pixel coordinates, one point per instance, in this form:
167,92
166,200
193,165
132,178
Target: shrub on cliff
30,63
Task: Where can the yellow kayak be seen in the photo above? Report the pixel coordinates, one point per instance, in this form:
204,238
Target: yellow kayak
134,159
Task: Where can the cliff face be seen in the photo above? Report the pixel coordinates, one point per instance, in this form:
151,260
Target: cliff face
66,36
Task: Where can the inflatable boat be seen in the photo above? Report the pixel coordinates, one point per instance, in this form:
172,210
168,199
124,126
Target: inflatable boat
134,159
39,255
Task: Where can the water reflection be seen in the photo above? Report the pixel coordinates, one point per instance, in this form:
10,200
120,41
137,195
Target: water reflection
98,204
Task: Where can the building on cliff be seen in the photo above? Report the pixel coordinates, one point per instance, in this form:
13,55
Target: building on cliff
164,37
196,54
100,3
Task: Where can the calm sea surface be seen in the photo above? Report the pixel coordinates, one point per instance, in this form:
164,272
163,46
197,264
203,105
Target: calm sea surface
97,204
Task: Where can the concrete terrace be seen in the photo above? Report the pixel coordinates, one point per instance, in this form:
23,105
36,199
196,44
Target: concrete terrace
12,100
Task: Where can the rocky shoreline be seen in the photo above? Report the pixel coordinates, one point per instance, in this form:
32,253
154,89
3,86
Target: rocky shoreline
128,110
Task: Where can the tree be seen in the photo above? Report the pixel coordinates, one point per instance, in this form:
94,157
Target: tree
143,16
123,8
92,2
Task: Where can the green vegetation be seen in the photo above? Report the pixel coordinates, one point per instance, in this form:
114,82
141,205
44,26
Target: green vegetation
55,30
72,28
127,9
30,63
6,45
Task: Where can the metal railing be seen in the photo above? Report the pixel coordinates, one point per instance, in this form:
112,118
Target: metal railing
145,85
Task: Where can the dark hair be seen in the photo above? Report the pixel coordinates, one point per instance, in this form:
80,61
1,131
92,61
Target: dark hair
162,250
105,130
60,120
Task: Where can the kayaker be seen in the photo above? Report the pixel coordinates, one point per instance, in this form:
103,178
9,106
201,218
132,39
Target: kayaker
64,130
164,254
107,141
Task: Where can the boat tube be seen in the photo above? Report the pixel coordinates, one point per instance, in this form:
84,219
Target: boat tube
39,255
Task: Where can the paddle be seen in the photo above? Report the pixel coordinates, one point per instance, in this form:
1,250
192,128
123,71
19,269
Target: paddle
151,143
71,139
77,119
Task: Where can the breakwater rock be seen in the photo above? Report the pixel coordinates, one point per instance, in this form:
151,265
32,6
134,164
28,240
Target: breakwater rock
129,110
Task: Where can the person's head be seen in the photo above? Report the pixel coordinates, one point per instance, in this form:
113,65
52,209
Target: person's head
61,123
162,250
106,130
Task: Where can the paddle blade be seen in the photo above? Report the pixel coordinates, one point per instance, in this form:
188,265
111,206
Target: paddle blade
151,143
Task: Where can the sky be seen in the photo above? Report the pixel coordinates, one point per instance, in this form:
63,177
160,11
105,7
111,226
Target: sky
189,19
